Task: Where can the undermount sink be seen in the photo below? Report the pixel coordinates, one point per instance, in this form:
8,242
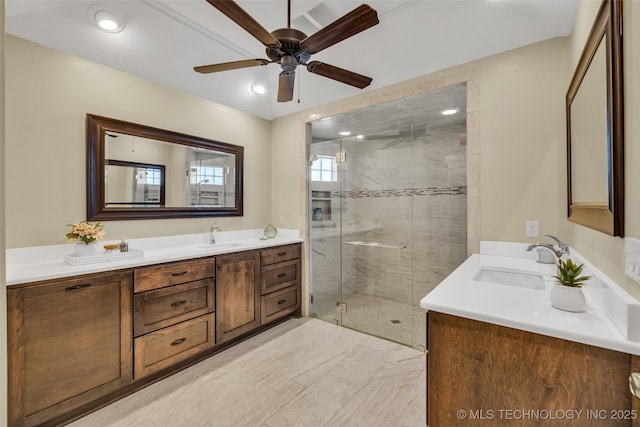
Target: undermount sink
510,277
221,246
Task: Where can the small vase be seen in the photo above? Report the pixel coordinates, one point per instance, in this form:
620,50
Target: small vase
84,249
270,231
317,214
567,298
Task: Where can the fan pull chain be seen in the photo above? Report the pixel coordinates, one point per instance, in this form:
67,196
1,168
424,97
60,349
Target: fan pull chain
299,80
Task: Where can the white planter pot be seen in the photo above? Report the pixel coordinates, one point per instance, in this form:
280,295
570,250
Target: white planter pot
83,249
567,298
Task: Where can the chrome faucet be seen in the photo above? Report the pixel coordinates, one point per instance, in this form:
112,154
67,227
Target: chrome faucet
558,252
212,233
564,248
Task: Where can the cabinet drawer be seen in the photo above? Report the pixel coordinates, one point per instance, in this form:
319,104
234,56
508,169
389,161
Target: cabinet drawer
280,303
148,278
279,276
164,307
163,348
279,254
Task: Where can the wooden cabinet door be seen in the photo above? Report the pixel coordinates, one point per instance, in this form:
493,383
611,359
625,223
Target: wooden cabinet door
481,374
70,343
237,294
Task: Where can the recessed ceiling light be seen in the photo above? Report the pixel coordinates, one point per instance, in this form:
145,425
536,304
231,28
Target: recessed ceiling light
449,111
360,136
344,133
105,18
258,89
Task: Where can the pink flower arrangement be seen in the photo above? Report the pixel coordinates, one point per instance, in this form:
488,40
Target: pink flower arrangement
85,231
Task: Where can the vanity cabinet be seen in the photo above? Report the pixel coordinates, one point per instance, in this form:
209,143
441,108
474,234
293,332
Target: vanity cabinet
279,282
69,344
238,294
482,374
174,315
76,344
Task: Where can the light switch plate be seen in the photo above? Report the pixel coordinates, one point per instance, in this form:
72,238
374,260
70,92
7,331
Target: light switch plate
632,258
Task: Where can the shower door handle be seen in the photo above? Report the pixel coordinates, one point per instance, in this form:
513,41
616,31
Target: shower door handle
374,245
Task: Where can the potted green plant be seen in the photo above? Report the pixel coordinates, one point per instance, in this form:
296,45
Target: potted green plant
566,293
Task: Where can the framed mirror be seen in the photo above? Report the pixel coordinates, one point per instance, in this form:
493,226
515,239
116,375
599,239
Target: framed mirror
595,143
140,172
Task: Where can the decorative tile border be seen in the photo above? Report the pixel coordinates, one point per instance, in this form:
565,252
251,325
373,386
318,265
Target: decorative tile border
428,191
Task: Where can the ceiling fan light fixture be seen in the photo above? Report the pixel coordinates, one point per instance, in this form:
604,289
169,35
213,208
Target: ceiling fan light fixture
105,19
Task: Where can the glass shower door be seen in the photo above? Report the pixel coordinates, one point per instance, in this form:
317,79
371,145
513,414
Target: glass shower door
377,282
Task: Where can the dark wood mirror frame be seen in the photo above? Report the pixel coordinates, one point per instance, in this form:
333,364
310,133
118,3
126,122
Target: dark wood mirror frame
96,209
608,217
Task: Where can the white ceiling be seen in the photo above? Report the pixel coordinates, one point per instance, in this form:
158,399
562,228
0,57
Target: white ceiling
164,39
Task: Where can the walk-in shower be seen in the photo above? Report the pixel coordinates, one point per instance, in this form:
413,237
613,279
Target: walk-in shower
387,211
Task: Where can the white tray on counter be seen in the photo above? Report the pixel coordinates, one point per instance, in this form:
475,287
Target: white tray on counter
106,256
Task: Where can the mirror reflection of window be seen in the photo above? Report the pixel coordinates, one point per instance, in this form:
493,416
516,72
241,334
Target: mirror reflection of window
210,182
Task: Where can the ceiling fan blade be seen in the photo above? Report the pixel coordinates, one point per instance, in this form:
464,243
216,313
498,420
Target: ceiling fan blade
339,74
234,65
285,86
243,19
359,19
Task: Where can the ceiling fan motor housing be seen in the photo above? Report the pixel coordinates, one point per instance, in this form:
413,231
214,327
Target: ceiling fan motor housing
290,39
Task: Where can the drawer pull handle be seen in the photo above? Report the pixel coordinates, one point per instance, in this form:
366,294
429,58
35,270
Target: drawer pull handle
282,301
220,266
182,273
178,303
77,287
282,275
282,253
178,341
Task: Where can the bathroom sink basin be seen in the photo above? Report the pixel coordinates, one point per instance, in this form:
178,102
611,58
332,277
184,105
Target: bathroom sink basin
221,246
510,277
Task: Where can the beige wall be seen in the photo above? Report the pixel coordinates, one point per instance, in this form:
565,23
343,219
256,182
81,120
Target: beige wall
605,251
49,94
3,293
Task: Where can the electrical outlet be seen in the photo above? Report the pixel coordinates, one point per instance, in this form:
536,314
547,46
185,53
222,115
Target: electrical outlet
532,228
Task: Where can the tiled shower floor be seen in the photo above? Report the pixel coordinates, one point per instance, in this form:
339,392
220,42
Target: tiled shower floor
384,318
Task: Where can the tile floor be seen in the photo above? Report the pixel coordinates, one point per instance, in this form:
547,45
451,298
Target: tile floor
304,372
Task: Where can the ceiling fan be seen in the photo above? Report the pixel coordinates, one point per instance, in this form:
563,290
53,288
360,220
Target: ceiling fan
290,47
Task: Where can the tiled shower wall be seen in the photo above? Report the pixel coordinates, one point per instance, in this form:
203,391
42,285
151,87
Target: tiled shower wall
408,191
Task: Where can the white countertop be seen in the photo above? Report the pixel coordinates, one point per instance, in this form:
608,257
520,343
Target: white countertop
25,265
530,309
